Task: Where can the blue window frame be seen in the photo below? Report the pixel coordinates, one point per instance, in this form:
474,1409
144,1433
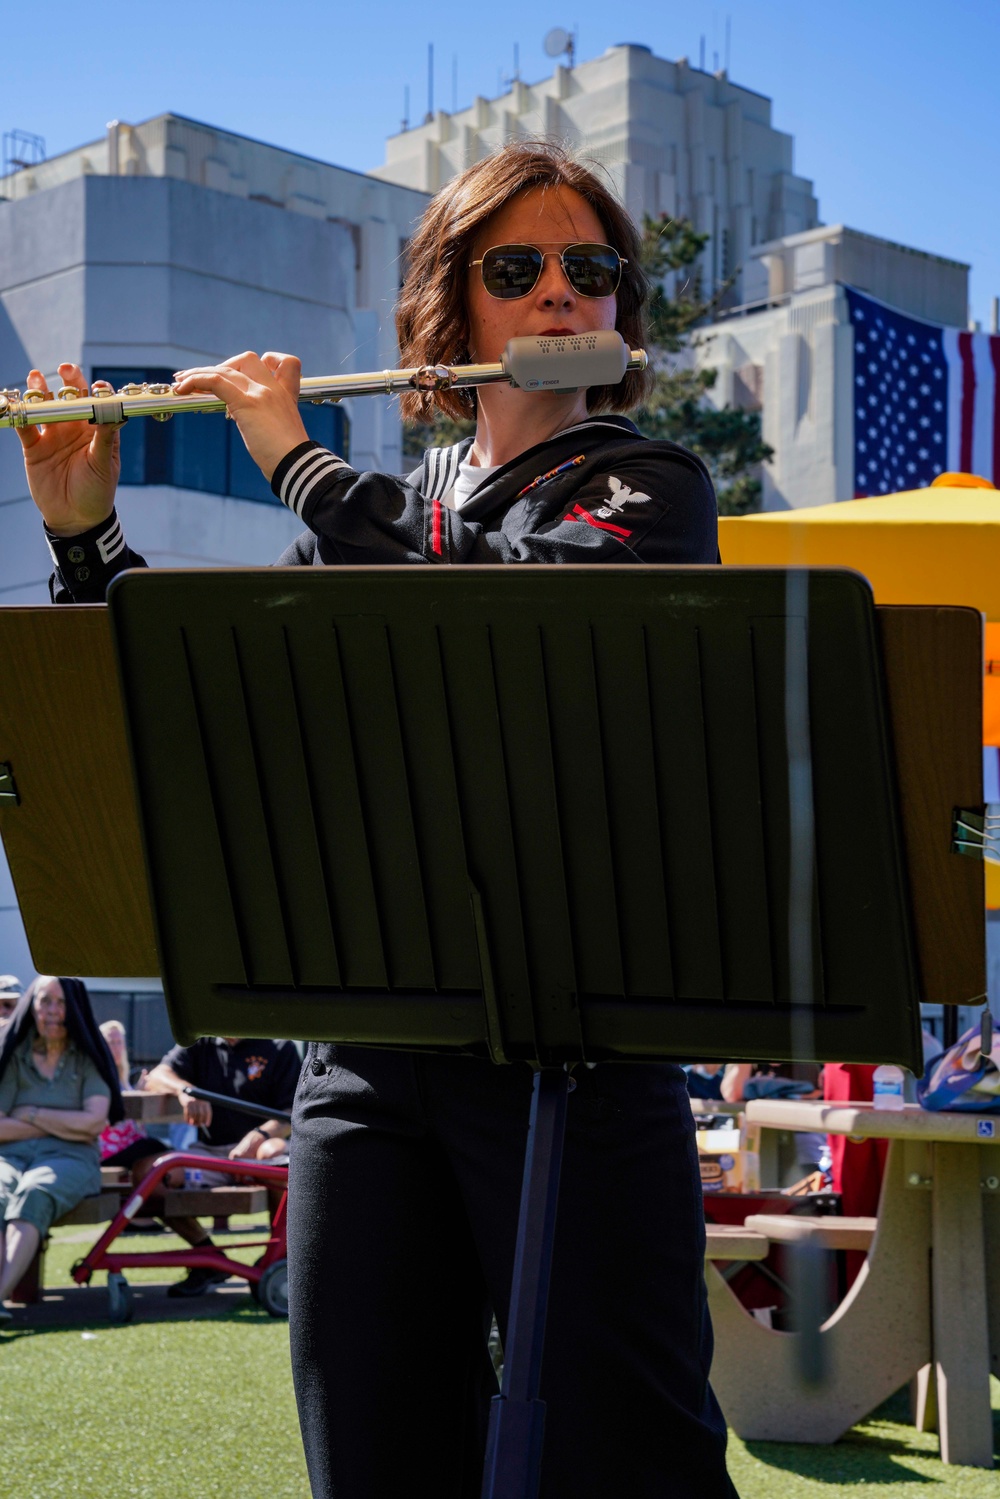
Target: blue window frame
206,452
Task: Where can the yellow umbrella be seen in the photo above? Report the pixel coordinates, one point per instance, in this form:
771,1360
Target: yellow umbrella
923,546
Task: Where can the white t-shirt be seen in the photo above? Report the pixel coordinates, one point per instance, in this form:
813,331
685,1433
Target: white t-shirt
470,477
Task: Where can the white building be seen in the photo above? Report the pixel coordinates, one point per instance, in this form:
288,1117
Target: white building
679,141
675,140
169,244
789,351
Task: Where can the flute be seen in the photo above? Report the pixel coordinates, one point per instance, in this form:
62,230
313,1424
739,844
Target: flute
565,363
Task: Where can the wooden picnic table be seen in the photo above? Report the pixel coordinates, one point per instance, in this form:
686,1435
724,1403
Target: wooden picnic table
152,1108
923,1306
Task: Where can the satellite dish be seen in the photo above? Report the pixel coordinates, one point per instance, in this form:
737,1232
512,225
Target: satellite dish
557,42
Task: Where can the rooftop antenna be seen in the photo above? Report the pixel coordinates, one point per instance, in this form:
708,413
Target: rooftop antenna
430,83
406,107
701,54
21,149
508,83
560,41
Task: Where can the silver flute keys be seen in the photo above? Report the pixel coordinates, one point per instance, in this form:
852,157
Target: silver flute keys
565,363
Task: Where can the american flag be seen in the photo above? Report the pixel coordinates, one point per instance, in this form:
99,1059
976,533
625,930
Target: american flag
926,400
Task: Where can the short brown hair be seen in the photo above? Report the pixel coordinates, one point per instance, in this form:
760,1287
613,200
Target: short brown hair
431,319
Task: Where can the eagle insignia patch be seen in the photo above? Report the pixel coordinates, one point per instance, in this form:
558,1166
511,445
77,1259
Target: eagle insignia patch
620,496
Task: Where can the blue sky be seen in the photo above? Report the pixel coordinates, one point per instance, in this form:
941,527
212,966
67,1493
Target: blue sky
893,105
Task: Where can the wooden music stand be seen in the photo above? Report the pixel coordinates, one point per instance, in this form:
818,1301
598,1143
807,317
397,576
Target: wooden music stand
540,814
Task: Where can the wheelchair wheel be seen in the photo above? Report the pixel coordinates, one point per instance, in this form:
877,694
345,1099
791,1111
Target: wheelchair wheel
121,1303
271,1290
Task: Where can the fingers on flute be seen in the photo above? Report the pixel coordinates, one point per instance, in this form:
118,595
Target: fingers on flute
236,363
29,436
215,381
286,369
276,362
72,374
106,439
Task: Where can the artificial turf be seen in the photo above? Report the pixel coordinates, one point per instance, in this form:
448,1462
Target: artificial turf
203,1406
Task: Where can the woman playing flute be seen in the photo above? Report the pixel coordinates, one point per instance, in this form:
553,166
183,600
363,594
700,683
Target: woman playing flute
406,1169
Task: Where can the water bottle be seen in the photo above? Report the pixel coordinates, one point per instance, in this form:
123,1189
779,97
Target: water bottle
887,1085
194,1178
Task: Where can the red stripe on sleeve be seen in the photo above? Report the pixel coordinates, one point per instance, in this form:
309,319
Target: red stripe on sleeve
968,402
436,526
599,525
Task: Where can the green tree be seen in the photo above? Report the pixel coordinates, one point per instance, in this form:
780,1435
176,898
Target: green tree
728,440
441,432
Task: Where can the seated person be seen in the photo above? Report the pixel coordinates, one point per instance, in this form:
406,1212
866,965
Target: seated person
10,993
748,1080
799,1080
704,1079
58,1089
130,1077
262,1072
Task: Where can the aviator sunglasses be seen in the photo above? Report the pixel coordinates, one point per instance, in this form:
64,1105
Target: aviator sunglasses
511,271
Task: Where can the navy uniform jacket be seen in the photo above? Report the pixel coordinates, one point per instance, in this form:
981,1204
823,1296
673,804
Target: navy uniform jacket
598,492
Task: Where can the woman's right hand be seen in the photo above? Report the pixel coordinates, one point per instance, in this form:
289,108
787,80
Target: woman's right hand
72,467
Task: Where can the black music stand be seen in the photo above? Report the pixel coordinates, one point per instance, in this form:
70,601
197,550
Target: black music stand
539,814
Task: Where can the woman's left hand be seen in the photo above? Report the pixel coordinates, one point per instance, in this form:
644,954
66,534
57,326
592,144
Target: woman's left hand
261,393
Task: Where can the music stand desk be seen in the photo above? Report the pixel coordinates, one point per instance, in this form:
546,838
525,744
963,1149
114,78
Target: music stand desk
543,814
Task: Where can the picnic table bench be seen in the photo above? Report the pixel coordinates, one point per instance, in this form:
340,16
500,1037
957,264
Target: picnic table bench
101,1207
924,1307
731,1241
823,1233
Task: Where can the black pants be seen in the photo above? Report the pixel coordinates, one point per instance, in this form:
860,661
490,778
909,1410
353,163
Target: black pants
404,1188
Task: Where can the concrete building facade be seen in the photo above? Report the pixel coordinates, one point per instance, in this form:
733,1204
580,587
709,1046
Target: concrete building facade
169,244
674,140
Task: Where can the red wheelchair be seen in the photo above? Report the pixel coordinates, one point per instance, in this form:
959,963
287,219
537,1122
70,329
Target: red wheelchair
267,1278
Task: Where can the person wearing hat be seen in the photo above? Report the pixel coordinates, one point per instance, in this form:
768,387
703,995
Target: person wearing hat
10,993
58,1089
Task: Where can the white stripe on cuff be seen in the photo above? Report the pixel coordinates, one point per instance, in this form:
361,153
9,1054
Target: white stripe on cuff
307,481
296,468
292,488
112,542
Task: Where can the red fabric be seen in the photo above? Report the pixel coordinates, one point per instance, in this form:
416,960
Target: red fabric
968,401
857,1165
117,1136
579,513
